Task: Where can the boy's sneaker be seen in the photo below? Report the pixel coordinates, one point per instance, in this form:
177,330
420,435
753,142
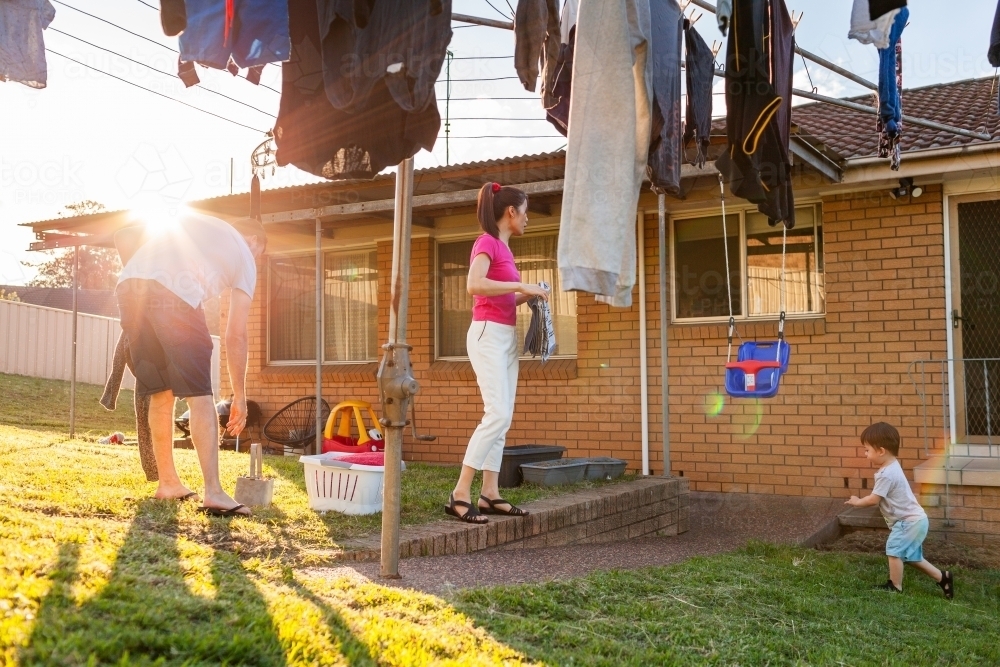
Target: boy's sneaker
889,586
947,584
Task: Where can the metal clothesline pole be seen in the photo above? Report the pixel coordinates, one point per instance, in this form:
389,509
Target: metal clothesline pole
395,374
72,372
319,336
906,119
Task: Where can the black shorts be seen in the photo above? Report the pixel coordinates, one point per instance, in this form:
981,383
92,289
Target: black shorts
169,344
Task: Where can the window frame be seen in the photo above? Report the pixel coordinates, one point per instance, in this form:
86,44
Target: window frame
740,212
550,229
296,254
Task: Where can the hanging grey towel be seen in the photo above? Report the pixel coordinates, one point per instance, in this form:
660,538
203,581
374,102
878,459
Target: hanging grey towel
541,337
141,404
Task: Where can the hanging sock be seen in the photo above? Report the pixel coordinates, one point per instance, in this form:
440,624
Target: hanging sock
22,46
536,40
557,113
877,8
890,85
254,74
870,31
173,17
665,149
724,15
187,73
700,71
255,197
994,52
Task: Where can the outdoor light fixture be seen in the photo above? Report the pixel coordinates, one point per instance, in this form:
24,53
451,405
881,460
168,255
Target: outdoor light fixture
906,187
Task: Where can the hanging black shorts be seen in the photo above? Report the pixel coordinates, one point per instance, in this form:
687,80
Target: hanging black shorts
169,344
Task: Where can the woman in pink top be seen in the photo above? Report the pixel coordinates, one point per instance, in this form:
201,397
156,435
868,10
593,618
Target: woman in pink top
497,290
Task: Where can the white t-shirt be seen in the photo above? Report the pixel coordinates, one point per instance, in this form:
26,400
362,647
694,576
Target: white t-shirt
196,259
898,502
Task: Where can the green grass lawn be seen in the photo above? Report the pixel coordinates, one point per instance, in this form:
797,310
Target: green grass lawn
93,572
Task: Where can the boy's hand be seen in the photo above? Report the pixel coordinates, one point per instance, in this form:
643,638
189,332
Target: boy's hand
854,501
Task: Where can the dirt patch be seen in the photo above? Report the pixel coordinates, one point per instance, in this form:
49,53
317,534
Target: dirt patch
937,551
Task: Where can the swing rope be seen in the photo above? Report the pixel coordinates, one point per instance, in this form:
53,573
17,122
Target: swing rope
781,317
729,287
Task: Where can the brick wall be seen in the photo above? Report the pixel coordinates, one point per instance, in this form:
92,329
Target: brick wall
885,307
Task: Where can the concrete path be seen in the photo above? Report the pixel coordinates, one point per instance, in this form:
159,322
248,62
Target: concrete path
719,522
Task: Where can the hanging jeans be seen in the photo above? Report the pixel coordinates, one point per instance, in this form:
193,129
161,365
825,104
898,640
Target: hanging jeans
493,351
890,106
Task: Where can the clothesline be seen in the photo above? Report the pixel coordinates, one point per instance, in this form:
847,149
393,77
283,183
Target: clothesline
822,62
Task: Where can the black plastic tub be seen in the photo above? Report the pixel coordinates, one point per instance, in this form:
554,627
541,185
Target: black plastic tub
605,467
515,456
554,473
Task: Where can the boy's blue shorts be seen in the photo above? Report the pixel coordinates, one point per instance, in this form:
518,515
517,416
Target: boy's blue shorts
906,540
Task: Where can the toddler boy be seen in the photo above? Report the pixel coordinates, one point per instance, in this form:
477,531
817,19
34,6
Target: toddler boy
905,517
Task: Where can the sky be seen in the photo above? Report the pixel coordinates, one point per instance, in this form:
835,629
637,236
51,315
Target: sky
90,136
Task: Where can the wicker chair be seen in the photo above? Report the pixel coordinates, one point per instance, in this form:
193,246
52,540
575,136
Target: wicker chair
293,427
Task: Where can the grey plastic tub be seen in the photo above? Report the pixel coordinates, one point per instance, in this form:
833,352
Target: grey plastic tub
605,467
516,455
554,473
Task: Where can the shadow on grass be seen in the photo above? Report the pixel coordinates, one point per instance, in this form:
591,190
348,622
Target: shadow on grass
166,601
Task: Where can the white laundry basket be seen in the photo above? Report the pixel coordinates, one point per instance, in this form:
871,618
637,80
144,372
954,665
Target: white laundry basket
353,490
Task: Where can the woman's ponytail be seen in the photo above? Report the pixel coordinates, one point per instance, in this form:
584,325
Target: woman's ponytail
491,203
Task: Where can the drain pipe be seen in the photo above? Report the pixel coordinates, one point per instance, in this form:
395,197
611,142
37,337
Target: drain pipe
643,371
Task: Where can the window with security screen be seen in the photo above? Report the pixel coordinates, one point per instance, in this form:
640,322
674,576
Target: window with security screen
750,253
535,257
350,308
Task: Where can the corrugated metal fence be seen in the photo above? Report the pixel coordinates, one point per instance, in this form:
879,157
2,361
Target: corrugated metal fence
36,341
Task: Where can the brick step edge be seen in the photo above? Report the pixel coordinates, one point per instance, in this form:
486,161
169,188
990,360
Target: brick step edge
650,505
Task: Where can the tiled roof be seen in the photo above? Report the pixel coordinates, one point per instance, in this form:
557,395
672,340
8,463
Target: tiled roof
969,104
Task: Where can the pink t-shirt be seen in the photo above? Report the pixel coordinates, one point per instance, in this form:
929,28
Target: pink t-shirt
499,309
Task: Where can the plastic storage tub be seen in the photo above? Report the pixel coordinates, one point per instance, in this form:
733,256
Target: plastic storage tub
514,457
553,473
604,467
350,488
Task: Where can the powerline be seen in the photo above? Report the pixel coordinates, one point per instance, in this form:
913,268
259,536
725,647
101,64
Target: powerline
480,57
151,41
512,136
159,71
143,2
509,18
93,16
155,92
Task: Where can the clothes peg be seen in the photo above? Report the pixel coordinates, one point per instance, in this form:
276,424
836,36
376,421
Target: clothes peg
694,19
684,5
716,47
795,21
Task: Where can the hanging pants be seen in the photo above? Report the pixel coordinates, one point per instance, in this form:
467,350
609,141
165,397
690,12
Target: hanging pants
493,351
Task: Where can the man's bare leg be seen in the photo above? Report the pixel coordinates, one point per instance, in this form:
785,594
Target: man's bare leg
161,426
205,434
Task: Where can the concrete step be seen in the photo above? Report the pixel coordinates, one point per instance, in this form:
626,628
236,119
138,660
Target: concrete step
612,513
959,470
861,517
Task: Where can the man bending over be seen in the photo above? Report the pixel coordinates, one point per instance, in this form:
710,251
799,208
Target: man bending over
160,295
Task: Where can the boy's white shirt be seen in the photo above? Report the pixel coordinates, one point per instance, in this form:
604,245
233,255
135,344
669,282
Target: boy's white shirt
897,500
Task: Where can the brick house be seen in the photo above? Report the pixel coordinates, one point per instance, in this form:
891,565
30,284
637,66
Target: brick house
875,281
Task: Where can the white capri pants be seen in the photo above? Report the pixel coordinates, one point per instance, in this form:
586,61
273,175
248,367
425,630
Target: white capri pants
493,351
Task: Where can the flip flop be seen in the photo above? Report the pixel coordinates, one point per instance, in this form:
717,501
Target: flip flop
216,511
187,496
